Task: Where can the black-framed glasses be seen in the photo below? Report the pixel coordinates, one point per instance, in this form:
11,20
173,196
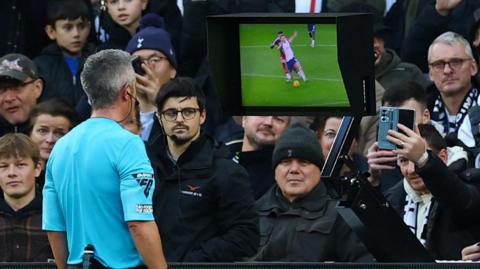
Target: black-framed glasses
454,64
188,113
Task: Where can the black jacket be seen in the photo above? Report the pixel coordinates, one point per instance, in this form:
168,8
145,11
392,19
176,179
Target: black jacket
59,80
453,221
6,127
391,72
203,204
258,164
307,230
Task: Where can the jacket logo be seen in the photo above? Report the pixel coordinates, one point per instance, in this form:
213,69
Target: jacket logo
146,181
139,42
192,190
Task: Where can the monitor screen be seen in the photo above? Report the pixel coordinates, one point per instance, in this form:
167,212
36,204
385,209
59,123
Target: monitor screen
293,64
281,66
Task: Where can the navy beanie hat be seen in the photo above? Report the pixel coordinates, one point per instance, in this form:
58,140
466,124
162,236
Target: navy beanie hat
298,142
153,36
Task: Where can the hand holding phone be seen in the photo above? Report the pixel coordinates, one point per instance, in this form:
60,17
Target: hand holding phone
389,118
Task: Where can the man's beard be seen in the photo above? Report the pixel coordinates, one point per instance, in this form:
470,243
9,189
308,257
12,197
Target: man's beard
259,143
181,140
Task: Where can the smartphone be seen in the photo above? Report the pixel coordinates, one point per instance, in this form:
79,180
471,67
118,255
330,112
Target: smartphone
389,117
137,66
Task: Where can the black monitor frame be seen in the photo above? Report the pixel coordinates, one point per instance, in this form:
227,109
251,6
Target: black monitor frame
354,50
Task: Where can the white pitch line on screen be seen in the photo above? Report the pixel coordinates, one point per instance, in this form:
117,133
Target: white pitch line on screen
293,46
283,77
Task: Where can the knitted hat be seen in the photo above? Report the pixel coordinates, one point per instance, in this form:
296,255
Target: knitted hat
18,67
153,36
298,142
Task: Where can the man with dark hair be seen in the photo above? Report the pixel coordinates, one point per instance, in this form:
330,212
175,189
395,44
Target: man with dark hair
203,204
298,220
99,181
437,206
20,87
21,205
410,95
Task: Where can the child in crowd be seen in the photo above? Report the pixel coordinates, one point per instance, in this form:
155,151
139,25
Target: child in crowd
123,21
59,64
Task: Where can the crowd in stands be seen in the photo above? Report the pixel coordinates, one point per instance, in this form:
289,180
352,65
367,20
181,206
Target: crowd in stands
112,138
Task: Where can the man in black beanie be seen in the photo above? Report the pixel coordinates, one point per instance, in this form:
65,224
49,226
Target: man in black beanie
298,221
152,45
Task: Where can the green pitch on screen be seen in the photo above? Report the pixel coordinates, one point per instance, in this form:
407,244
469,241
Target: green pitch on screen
263,79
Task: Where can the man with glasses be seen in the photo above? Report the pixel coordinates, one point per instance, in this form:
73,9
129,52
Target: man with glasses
202,204
159,65
451,68
20,87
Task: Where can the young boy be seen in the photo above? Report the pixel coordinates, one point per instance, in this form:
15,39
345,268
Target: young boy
123,21
59,64
21,206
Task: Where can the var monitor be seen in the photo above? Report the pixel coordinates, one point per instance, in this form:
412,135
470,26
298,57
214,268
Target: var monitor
293,64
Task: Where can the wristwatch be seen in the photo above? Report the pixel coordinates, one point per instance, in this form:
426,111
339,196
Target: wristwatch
423,160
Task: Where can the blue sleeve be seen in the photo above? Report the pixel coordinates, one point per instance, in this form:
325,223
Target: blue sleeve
52,216
136,181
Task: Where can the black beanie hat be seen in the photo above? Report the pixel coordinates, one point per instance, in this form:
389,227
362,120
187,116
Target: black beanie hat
298,142
152,36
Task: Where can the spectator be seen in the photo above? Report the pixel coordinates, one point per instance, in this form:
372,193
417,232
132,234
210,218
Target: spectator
435,18
298,220
254,151
437,206
122,21
48,122
452,67
206,196
326,129
20,86
153,46
59,64
21,205
383,168
22,27
390,71
108,165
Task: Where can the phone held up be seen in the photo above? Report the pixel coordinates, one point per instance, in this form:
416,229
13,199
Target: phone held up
389,117
137,66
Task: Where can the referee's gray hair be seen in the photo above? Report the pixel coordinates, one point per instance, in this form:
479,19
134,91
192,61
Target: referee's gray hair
104,74
451,38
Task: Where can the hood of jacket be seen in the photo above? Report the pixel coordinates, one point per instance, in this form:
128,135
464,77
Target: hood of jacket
388,61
